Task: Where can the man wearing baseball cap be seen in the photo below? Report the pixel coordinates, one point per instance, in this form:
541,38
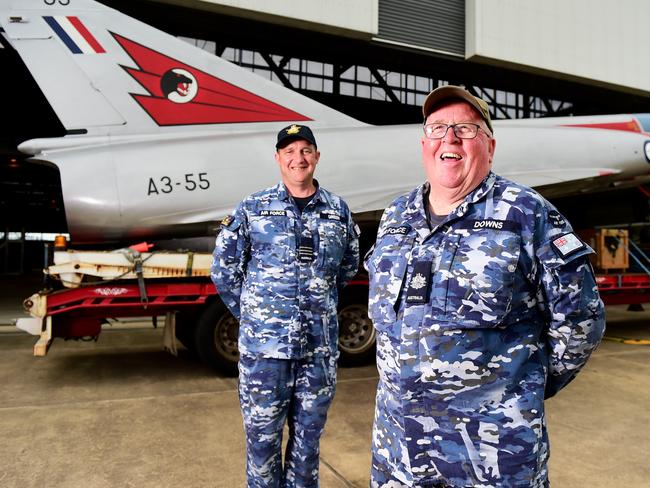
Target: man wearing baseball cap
279,262
484,303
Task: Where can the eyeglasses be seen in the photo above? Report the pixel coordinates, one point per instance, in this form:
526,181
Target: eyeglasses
462,131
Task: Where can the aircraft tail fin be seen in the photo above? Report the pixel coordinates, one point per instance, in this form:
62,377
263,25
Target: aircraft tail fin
105,72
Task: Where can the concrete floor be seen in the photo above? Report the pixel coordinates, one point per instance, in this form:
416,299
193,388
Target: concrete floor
123,413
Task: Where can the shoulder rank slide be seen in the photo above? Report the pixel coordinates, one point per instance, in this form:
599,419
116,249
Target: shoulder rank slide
306,250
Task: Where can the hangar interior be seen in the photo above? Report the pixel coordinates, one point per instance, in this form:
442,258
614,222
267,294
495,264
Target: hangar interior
376,66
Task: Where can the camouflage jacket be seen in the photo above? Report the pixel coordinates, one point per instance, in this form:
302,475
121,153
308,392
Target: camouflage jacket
279,271
478,320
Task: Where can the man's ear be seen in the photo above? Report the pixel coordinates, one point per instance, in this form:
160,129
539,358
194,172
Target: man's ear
493,145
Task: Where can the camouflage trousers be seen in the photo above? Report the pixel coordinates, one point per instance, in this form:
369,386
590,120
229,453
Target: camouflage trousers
383,479
379,478
275,391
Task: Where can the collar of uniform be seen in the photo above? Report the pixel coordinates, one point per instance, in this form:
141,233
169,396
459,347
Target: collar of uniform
283,193
477,194
415,214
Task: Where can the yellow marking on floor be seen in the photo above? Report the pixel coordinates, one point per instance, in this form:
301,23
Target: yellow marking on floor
628,341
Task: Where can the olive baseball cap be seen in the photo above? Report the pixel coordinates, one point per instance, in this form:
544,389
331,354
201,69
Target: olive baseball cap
449,92
293,132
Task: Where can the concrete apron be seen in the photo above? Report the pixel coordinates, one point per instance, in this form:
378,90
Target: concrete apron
121,412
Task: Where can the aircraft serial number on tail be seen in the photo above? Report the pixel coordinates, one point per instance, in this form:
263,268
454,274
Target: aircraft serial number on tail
166,184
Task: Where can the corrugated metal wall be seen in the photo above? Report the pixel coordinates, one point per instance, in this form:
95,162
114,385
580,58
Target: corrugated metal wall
431,24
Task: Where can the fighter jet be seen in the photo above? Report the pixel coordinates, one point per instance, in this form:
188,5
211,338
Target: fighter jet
163,138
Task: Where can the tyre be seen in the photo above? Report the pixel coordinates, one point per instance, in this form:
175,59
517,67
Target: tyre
216,338
356,333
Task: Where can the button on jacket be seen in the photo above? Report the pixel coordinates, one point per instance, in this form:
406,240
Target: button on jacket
279,271
478,320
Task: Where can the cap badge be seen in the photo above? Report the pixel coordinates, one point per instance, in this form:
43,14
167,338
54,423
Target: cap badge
294,129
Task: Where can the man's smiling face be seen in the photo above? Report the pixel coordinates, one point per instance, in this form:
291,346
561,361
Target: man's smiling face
297,161
455,164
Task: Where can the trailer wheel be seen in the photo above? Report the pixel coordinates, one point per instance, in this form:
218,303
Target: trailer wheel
356,333
216,338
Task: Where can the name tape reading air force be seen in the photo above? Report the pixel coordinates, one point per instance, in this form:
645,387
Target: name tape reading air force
273,213
402,230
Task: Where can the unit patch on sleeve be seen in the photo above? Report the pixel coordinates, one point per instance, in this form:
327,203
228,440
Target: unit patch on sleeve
556,218
567,244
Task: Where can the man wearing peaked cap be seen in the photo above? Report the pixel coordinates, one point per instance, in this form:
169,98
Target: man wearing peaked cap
484,303
450,92
294,132
279,262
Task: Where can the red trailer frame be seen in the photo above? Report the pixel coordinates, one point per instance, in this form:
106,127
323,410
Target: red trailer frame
80,312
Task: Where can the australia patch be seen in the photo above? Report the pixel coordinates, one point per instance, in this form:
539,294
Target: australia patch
567,244
227,221
401,230
273,213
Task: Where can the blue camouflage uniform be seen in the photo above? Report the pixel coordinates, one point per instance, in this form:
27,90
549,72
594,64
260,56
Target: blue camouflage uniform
478,320
279,272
